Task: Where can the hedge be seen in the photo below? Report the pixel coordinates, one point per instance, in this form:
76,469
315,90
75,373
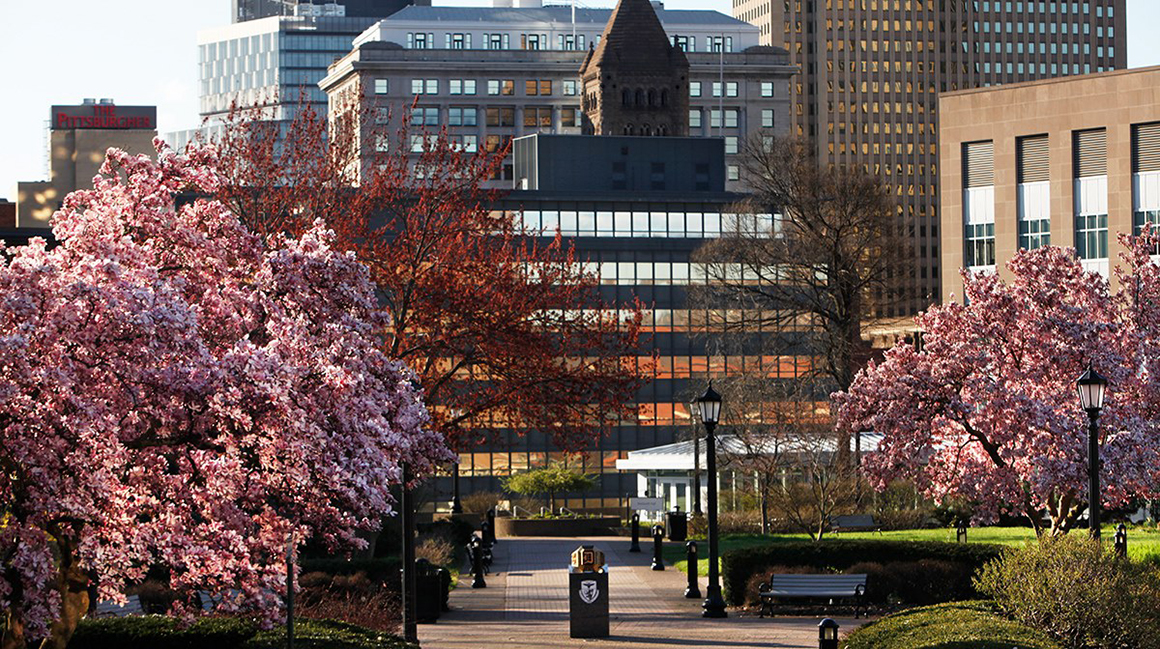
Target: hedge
377,570
737,566
974,624
151,631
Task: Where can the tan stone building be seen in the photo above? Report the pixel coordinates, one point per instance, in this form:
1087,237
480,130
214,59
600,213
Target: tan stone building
872,71
1066,162
78,138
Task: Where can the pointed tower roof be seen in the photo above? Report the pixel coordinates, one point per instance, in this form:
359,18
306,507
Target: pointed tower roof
634,35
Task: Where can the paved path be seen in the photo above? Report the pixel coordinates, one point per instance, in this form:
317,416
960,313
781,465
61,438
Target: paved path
525,604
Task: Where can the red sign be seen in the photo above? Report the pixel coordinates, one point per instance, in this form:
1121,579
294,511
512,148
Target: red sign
104,116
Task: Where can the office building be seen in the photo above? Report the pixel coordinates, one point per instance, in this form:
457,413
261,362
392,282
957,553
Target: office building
635,208
872,71
243,10
275,57
1066,162
493,73
78,138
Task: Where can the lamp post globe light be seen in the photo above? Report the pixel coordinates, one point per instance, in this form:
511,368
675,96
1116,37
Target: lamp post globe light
1091,387
709,407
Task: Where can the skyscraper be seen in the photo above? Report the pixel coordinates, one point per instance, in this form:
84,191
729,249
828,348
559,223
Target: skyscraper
871,71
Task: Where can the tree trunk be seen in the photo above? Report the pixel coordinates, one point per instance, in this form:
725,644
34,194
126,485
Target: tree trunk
764,506
13,636
73,583
552,503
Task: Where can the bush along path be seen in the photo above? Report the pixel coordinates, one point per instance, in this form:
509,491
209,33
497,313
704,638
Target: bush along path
970,624
152,631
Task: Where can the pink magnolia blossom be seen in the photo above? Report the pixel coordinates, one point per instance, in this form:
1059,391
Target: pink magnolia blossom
987,409
175,390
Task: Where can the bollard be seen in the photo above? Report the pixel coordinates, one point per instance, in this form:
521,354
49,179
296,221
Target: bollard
961,532
485,532
658,534
828,634
477,563
635,547
693,590
1121,541
489,535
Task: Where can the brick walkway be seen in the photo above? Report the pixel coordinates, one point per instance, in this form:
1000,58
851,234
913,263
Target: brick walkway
525,604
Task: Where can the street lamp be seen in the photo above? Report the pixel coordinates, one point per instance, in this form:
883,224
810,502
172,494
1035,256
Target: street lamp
456,506
696,472
709,405
1091,387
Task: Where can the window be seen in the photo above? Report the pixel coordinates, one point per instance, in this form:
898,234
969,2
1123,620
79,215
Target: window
569,87
468,143
537,117
980,244
730,144
766,88
730,88
491,143
534,87
425,116
458,41
420,41
694,118
420,143
461,86
730,118
424,86
501,117
461,116
694,88
533,41
501,87
495,41
767,118
382,86
570,42
715,43
686,43
732,172
570,116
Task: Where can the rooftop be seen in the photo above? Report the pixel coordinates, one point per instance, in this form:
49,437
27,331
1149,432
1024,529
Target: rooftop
557,14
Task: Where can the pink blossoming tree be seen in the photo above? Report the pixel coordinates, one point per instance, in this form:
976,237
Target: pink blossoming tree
987,409
177,391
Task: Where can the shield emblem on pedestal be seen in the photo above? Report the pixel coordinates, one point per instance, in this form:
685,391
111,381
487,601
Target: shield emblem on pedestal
589,591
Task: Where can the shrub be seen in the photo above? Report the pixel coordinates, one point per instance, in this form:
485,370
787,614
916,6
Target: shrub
150,632
371,608
376,570
437,550
737,566
479,502
927,581
1078,591
959,625
156,597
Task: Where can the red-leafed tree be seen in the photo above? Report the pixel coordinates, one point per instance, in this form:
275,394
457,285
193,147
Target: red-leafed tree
505,329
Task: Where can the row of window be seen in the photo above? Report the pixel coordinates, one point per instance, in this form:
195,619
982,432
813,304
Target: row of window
987,47
544,87
1044,28
497,41
1044,7
581,223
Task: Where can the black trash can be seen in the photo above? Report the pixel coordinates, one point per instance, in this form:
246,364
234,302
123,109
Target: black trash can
677,523
428,592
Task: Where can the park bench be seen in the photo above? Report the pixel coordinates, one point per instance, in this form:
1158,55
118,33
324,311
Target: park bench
813,586
855,523
111,609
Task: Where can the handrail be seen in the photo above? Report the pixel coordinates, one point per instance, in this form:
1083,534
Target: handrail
516,509
569,512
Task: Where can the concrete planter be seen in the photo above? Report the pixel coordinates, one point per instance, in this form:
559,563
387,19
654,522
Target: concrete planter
505,526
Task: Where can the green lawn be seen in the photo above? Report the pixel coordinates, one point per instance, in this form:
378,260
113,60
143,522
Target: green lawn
958,625
1143,542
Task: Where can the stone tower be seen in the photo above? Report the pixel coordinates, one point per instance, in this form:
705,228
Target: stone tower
635,82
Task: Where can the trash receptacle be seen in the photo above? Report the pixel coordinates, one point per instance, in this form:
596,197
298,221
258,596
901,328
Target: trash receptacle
677,523
588,594
428,592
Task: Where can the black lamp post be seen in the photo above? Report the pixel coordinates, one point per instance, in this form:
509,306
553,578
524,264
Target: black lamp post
456,506
709,405
696,473
1091,387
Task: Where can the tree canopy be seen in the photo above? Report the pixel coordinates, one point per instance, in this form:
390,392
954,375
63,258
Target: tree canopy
986,408
177,391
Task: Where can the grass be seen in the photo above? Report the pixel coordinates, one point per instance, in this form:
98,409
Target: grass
958,625
1143,542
